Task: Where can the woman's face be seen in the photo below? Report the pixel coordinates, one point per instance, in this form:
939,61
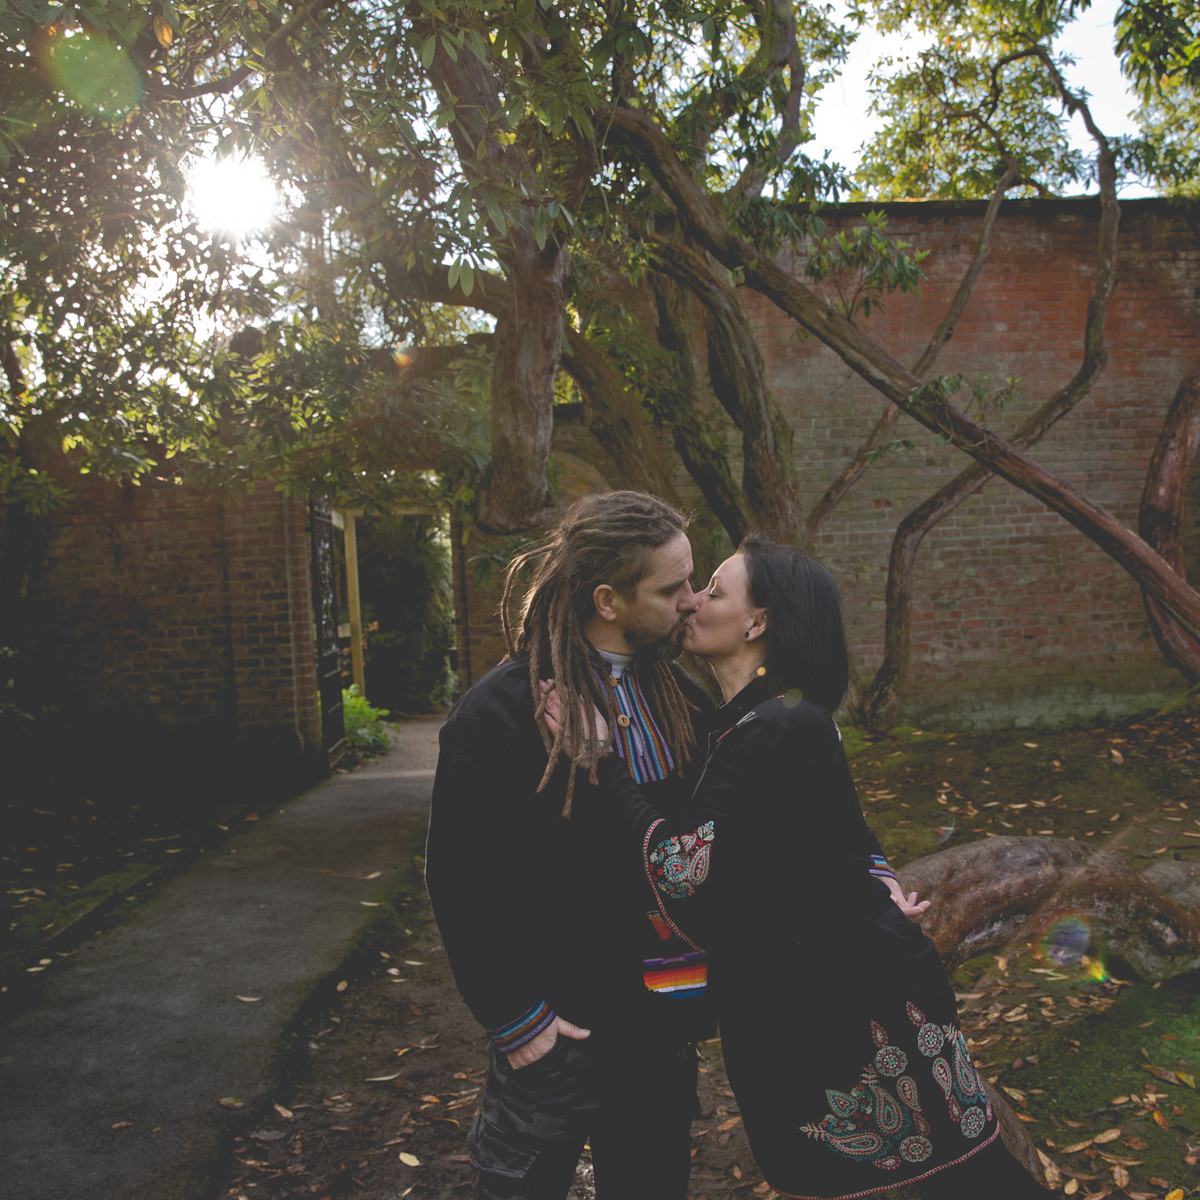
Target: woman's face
718,626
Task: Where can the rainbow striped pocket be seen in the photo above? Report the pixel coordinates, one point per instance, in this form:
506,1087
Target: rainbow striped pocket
680,975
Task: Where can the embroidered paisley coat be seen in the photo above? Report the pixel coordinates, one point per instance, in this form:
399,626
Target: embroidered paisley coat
838,1024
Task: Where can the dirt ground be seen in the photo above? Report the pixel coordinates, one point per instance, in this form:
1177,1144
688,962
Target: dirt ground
1102,1070
394,1068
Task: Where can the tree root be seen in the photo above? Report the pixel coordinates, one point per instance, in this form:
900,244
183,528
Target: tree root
995,893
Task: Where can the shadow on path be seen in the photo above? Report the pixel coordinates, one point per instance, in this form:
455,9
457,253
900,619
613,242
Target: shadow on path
112,1081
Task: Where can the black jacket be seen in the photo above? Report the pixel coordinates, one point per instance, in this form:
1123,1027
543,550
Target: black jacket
838,1024
531,908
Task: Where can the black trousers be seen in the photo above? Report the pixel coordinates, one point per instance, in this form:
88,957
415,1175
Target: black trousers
635,1107
992,1174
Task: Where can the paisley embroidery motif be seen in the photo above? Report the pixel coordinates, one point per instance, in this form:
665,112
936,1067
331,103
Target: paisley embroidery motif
972,1122
930,1037
680,864
966,1100
891,1061
916,1149
872,1124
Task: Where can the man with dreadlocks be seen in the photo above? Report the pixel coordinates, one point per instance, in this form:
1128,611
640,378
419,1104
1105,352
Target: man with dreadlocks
591,1008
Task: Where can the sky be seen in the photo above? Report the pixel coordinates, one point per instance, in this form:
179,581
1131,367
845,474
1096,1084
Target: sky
842,123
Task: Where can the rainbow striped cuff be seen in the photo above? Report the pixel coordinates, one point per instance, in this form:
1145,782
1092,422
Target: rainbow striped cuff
509,1037
880,868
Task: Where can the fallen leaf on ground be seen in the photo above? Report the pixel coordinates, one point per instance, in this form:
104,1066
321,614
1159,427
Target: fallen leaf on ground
1109,1135
1118,1161
1050,1170
410,1160
249,999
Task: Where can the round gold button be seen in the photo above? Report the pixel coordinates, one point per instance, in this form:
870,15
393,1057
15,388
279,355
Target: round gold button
623,720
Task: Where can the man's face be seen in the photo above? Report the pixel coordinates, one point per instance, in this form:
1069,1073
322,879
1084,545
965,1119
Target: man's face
651,620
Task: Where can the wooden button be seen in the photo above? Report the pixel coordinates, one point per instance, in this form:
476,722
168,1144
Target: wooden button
623,720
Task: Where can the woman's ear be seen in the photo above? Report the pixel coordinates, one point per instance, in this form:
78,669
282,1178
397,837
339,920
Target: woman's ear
602,601
758,624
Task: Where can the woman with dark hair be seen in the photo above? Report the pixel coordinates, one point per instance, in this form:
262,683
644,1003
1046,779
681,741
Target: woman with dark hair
838,1025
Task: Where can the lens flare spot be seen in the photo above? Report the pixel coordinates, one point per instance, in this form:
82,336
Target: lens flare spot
942,829
1066,943
792,698
95,74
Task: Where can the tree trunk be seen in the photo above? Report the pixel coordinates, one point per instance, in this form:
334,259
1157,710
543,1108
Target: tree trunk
682,409
527,347
992,894
617,421
529,330
1160,519
738,378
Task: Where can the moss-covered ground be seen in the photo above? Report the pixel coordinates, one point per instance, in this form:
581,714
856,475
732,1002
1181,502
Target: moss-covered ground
1102,1070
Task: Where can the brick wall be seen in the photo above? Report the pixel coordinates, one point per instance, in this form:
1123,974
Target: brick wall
1016,617
174,631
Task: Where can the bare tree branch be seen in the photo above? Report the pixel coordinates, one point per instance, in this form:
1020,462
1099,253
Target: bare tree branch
13,371
876,705
887,420
276,43
1160,515
702,221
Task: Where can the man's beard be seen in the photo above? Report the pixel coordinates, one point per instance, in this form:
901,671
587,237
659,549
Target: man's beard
654,649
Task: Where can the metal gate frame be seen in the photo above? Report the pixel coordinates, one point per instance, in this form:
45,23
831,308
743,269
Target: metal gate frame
325,613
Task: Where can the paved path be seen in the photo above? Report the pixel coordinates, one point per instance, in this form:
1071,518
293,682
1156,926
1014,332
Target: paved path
109,1085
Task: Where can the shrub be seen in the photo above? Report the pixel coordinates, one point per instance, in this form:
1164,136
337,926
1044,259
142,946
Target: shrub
365,732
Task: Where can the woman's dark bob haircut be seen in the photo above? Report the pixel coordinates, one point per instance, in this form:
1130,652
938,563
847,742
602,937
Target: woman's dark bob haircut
805,638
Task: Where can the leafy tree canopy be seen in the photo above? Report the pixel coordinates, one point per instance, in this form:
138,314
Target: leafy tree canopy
452,172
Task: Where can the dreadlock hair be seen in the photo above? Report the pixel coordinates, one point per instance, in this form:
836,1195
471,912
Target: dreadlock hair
600,539
805,636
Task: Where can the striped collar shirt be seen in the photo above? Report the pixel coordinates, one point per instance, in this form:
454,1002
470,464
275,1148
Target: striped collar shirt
638,739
